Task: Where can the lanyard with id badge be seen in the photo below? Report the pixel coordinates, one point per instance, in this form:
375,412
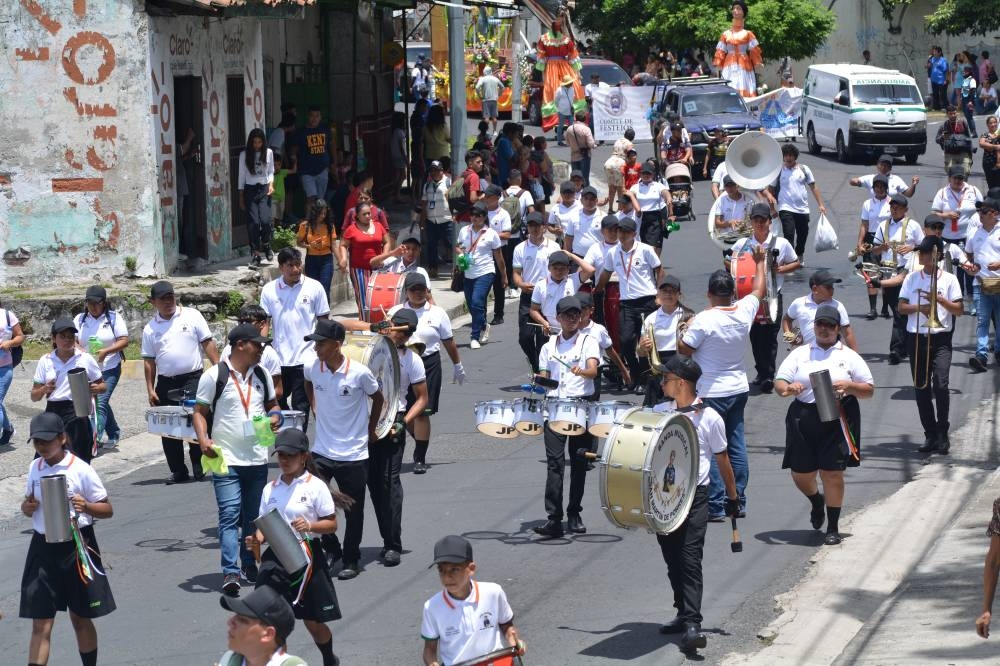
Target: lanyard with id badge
258,427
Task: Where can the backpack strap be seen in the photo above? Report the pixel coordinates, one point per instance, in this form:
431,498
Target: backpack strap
220,386
231,658
262,376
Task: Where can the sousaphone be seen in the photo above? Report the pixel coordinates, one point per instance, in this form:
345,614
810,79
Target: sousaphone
753,161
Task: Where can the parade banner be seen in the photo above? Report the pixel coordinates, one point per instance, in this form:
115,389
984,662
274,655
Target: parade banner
618,108
778,111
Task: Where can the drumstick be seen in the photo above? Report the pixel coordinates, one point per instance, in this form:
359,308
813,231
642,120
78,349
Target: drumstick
587,453
736,546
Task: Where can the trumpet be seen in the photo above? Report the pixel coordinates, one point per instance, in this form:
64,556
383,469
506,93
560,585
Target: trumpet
933,324
864,248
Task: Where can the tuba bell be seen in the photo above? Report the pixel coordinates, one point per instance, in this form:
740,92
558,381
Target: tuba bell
753,161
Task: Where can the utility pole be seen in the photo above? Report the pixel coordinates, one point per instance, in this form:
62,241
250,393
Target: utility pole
456,84
515,98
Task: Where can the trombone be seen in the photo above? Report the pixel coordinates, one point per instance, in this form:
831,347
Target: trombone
933,324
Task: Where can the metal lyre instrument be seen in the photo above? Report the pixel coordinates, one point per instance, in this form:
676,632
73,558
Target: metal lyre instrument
854,254
870,271
933,324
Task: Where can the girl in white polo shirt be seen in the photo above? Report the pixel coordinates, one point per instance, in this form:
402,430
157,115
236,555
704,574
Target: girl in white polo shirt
480,248
111,334
305,501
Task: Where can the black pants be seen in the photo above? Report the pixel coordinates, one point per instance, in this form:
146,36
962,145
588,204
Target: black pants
936,390
764,344
385,488
555,457
351,476
499,293
682,551
795,229
630,316
939,96
78,430
293,390
173,449
651,229
654,388
529,337
897,341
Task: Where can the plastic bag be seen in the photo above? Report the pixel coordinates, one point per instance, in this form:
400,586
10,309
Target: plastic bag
826,237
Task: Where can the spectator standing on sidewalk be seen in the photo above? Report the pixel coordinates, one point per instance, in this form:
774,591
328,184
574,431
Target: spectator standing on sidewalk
937,70
11,336
581,142
990,572
564,107
436,217
488,89
111,338
316,154
318,236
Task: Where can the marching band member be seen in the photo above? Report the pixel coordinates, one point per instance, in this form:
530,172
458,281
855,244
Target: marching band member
934,226
58,576
797,324
434,329
598,331
598,251
404,258
571,358
715,339
530,259
305,501
339,393
253,314
731,206
894,184
653,198
874,213
639,271
560,283
764,333
683,548
956,203
627,207
930,379
566,210
51,382
984,255
896,238
584,230
812,445
663,323
99,321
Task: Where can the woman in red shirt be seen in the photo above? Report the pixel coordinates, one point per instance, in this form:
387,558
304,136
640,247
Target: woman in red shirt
361,241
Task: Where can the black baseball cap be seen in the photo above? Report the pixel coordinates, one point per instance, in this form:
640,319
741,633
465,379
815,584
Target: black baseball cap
45,426
631,150
479,208
414,279
828,313
676,126
65,324
567,303
291,440
534,217
610,222
97,293
721,283
559,257
823,277
899,200
627,224
588,191
493,190
567,186
405,317
327,329
452,549
669,281
624,198
576,174
930,243
684,367
760,210
956,171
728,180
988,203
647,168
885,158
161,289
585,299
880,179
246,333
933,221
266,605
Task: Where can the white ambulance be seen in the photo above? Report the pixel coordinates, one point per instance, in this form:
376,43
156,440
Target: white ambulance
862,112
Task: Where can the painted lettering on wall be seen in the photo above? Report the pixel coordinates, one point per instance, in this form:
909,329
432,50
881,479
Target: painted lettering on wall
163,113
217,169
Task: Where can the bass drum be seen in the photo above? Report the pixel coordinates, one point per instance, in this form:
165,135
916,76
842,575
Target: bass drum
378,354
649,471
743,269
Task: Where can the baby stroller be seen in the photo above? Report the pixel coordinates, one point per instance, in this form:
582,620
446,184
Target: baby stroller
678,177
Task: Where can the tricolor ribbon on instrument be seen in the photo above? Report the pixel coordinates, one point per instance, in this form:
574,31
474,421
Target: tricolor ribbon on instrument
852,445
94,435
306,573
85,566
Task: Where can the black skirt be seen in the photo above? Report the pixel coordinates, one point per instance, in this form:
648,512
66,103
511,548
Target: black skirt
53,582
811,444
319,599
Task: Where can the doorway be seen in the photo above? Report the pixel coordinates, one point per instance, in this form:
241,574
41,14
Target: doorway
237,142
192,218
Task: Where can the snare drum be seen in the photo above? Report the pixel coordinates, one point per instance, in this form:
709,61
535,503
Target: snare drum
171,421
567,416
604,415
496,419
384,291
649,471
529,416
292,418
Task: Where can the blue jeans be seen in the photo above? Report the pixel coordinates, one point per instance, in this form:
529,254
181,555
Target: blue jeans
987,311
561,125
730,409
320,267
106,421
6,377
476,292
238,496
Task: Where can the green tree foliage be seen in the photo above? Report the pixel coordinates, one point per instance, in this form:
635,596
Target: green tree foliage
954,17
793,28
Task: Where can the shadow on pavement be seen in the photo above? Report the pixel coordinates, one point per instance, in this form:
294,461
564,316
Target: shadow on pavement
808,538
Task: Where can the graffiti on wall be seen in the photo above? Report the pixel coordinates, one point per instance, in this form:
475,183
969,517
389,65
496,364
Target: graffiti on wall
162,111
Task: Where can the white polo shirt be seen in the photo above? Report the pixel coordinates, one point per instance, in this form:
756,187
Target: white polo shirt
107,328
636,269
875,213
786,253
81,479
175,344
268,360
548,292
396,265
565,216
964,202
599,333
307,496
711,434
595,256
719,336
896,184
499,221
720,174
803,312
586,231
984,246
480,246
664,328
947,286
433,325
533,260
732,209
842,362
293,310
794,193
342,408
238,448
466,628
649,195
575,352
911,235
411,371
51,367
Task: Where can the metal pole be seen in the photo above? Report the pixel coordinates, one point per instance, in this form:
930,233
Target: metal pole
456,83
404,92
515,97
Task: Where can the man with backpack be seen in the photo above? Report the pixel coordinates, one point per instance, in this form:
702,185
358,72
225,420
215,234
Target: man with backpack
235,413
466,189
518,202
258,630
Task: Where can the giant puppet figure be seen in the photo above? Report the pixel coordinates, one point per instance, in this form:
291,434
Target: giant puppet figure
738,53
557,57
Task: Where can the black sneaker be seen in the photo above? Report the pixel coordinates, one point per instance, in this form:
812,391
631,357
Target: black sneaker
231,585
269,255
886,314
767,386
872,315
930,444
817,514
944,443
177,478
832,539
249,573
552,529
419,468
391,558
893,358
575,524
977,363
349,571
497,321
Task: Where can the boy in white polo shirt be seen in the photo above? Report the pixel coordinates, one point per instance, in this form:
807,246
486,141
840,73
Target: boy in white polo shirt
468,619
339,391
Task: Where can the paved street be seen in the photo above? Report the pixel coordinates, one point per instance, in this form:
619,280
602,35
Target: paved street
589,599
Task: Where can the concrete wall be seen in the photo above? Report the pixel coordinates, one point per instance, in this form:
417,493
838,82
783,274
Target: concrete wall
289,40
76,174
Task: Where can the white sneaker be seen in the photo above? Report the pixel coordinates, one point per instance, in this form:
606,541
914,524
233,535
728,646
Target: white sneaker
474,344
484,337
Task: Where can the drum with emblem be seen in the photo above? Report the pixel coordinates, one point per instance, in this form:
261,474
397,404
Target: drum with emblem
379,355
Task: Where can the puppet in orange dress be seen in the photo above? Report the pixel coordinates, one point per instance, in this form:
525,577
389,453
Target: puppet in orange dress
557,57
738,53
